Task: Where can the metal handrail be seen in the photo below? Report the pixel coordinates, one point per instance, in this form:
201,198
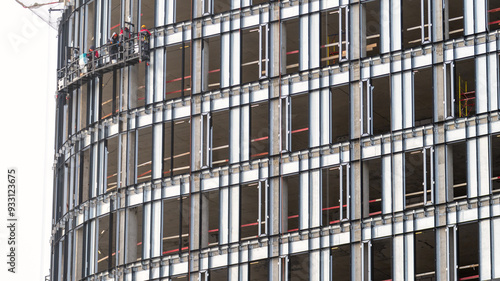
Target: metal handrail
83,65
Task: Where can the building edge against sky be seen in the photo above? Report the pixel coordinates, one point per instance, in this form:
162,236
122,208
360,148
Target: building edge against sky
277,140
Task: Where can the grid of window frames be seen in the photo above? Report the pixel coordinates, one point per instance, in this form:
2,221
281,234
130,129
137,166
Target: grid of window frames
296,128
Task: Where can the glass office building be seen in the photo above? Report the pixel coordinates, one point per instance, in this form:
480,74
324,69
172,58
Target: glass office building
277,140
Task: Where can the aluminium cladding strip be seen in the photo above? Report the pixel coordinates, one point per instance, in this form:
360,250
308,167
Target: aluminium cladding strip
291,84
486,208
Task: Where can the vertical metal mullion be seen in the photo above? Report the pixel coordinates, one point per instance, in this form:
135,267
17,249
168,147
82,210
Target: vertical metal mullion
259,211
370,107
289,123
432,174
362,107
424,163
266,203
341,185
105,167
348,191
455,265
369,260
266,47
445,102
448,262
422,21
202,126
429,25
346,32
260,51
340,34
452,88
135,155
210,135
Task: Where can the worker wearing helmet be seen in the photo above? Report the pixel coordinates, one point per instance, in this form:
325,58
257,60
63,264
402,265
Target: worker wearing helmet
92,56
144,35
124,39
113,48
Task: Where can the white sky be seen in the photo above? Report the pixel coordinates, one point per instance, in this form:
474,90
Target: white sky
27,111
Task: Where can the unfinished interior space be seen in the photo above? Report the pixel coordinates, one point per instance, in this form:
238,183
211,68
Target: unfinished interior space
340,96
334,36
465,88
419,177
371,18
291,46
416,23
372,187
457,169
423,96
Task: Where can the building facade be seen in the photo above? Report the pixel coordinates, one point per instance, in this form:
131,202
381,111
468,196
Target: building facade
278,140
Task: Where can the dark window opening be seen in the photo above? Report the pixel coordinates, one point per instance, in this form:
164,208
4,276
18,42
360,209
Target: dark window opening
372,21
425,255
221,6
299,267
340,114
341,263
381,252
416,23
381,99
175,225
129,167
115,21
176,147
106,248
259,130
468,251
423,96
457,165
182,10
493,15
495,164
137,85
90,25
253,211
299,122
218,274
334,194
220,140
108,99
453,19
144,154
147,15
290,190
111,164
418,177
254,54
290,31
372,187
465,77
178,76
333,36
79,253
211,63
258,270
